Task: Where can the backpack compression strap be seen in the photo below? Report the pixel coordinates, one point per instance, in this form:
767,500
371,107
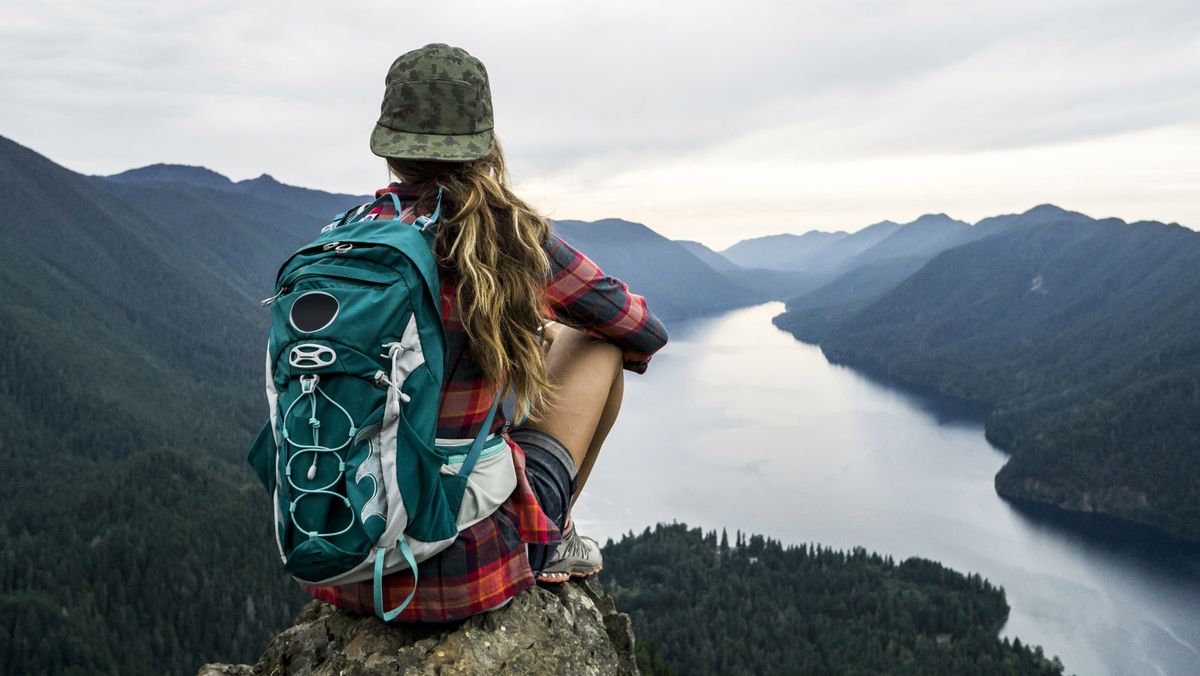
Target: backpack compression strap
454,497
389,615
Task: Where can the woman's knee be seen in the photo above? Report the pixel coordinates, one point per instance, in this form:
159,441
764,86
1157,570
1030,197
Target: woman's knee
575,342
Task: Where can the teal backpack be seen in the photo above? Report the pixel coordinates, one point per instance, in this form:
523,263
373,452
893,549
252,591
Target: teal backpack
360,486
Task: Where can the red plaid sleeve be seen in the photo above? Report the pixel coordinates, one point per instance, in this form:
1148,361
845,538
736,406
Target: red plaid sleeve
582,296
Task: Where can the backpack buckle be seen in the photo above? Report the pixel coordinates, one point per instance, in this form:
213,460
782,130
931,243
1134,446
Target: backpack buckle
308,383
424,223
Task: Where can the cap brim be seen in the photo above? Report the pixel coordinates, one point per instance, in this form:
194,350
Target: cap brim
405,145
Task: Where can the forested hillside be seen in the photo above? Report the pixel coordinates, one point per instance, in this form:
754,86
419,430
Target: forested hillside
135,541
1084,338
811,316
704,605
850,282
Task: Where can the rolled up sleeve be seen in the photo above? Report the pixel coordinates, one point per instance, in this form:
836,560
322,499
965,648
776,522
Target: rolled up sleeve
580,295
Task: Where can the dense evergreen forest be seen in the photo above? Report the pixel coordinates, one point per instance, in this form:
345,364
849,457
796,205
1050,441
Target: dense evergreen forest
135,539
1083,336
702,604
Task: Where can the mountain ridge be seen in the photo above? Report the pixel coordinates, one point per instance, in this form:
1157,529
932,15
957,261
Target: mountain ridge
1079,335
785,251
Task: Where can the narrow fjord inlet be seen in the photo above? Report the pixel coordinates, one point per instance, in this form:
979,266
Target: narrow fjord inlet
760,433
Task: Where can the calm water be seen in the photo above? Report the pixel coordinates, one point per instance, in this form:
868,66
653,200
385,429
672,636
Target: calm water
737,424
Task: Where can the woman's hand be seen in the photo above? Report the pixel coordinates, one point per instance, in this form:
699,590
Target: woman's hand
550,331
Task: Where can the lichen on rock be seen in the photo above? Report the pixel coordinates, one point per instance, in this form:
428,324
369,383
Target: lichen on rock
571,628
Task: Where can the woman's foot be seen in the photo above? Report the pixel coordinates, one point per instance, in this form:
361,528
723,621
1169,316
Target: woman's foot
576,556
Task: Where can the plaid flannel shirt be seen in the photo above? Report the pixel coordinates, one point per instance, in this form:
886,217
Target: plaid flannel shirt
487,564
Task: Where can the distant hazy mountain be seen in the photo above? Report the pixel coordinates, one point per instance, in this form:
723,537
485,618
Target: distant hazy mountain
832,258
678,279
676,283
317,202
928,235
1084,337
887,253
711,258
765,283
1043,214
314,203
824,256
175,173
781,252
864,278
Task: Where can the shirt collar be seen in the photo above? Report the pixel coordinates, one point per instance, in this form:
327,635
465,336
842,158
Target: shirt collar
405,191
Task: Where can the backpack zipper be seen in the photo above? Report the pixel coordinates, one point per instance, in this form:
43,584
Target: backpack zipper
325,271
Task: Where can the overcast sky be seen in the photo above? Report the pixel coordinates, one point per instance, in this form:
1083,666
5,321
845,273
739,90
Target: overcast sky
704,120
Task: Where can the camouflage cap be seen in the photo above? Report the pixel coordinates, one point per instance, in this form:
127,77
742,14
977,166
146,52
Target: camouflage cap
437,106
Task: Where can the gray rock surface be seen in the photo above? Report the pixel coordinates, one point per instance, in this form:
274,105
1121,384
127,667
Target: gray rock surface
571,628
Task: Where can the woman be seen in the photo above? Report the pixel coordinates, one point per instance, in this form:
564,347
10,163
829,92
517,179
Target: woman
504,273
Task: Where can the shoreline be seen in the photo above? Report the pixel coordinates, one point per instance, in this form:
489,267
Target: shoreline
948,408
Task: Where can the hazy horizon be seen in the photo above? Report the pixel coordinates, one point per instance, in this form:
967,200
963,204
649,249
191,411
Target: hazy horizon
715,243
714,124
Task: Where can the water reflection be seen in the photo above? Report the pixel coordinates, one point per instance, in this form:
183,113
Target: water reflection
944,410
1106,536
738,425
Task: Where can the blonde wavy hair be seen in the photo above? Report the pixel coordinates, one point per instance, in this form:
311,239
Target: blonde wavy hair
492,241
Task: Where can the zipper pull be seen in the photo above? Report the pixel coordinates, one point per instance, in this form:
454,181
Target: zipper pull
267,301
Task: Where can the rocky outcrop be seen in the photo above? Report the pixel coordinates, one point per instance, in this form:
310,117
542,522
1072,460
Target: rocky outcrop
571,628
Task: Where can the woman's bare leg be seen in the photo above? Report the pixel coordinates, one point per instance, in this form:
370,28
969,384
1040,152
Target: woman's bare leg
608,416
590,385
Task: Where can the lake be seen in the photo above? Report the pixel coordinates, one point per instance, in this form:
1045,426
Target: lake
738,425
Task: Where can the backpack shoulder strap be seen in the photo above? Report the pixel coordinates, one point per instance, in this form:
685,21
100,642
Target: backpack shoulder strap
345,217
477,445
426,224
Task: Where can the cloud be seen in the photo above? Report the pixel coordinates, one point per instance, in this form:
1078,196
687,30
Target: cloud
724,195
589,93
